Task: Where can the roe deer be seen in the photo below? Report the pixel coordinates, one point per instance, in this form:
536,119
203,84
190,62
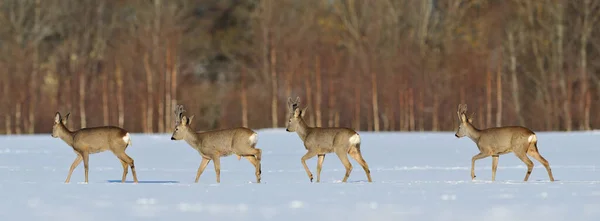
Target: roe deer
214,144
320,141
92,140
496,141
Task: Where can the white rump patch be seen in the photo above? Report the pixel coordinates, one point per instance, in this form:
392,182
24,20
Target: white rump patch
127,139
253,139
532,138
354,139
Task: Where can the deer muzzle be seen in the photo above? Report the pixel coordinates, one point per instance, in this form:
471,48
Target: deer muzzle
172,138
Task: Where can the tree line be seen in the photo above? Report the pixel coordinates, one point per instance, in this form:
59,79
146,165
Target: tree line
385,65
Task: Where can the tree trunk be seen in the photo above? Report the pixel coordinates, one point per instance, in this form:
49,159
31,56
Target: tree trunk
244,102
375,101
105,110
357,103
385,118
331,102
67,97
8,104
586,110
7,123
421,111
156,49
402,113
18,117
411,110
499,96
274,89
426,9
559,68
488,92
585,32
144,111
308,87
461,93
160,118
168,75
33,90
337,119
515,82
120,103
434,113
319,92
149,95
289,74
391,113
174,71
82,89
288,83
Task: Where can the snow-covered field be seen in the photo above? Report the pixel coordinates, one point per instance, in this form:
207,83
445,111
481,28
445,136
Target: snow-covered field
417,176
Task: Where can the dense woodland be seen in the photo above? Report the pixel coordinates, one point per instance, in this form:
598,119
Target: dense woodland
373,65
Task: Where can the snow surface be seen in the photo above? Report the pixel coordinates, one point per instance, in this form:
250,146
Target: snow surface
417,176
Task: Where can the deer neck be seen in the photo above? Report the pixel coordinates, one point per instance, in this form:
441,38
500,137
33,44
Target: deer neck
191,137
66,135
473,132
303,129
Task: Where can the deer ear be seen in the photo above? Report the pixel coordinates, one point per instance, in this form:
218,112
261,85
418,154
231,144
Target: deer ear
289,102
297,99
297,112
470,120
57,118
463,117
66,118
303,111
184,120
189,121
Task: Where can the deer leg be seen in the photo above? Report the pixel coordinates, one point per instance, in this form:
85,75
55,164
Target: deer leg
203,165
86,159
258,154
307,156
217,163
125,168
528,162
253,152
258,157
344,158
475,158
319,166
358,157
536,155
124,157
494,166
76,163
256,164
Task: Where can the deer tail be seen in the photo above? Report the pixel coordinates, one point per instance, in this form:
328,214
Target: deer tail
127,139
354,143
532,143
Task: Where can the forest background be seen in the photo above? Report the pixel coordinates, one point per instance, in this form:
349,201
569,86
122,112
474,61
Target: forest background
373,65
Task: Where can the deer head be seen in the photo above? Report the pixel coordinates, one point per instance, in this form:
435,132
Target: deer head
182,123
296,114
59,123
464,121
